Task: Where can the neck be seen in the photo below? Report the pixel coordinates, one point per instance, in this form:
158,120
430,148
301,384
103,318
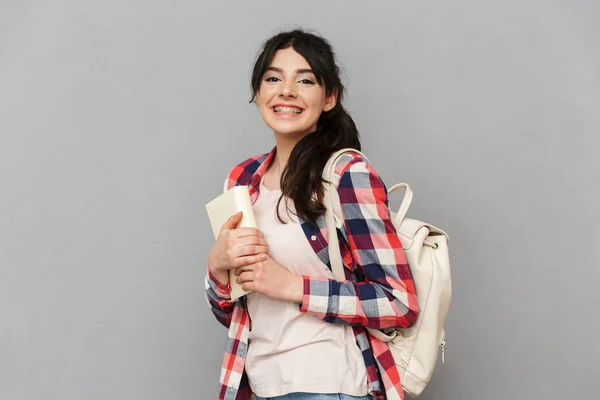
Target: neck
284,149
281,159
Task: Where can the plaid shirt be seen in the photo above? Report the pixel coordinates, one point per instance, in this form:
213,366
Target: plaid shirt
379,291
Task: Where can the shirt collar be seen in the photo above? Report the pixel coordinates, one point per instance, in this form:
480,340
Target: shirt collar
262,169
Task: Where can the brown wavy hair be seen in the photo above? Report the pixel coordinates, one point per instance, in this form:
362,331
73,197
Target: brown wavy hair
302,177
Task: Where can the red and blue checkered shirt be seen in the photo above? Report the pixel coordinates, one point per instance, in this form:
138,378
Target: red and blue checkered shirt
378,292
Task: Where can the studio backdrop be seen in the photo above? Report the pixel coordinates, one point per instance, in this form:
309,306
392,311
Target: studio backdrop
119,120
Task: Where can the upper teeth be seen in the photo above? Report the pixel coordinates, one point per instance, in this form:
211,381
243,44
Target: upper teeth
289,110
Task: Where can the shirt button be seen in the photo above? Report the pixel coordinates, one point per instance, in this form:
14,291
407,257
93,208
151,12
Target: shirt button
313,238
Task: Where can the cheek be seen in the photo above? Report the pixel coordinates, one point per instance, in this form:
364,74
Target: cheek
263,95
317,100
264,112
263,101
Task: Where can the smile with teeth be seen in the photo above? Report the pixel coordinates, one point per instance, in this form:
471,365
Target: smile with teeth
287,110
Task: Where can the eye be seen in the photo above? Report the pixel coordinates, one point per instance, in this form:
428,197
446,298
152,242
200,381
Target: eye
307,81
272,79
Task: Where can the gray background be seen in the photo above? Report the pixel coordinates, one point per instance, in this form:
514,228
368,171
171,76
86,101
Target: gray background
119,120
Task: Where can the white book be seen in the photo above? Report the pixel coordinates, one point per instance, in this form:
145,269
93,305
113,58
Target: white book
220,210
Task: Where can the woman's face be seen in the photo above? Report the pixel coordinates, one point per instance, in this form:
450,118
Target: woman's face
289,98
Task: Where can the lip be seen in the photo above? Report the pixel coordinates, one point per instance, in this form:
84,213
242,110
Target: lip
286,105
286,116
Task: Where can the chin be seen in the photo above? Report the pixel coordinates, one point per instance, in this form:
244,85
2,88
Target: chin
290,129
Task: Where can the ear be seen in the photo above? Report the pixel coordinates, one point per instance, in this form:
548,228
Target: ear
330,101
257,98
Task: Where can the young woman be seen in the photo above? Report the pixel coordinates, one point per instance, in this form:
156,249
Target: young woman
300,334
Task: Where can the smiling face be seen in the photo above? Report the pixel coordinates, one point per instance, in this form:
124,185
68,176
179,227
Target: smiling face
290,99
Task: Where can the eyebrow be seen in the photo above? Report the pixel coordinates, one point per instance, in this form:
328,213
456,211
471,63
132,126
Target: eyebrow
298,71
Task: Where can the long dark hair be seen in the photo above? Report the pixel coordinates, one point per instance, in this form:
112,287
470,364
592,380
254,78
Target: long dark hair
336,130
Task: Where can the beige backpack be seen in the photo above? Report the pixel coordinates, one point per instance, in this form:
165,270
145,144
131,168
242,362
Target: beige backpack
415,349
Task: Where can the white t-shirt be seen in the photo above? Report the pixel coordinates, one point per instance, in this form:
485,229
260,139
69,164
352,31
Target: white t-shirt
290,351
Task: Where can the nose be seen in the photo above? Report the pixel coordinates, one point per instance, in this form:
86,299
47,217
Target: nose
288,89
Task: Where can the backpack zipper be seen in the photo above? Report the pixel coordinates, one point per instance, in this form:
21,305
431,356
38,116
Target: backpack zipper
443,348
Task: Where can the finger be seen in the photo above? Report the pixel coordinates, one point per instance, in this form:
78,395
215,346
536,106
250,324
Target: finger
251,250
244,232
251,240
245,277
232,222
239,270
243,268
243,262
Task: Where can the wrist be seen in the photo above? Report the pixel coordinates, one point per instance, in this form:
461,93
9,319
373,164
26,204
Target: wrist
295,289
221,276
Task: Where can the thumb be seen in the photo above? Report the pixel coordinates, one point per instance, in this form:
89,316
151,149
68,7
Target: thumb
233,221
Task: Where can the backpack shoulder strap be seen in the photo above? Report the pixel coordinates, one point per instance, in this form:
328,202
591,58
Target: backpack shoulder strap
331,201
408,195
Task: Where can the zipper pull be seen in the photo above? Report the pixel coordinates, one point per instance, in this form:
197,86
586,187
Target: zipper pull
443,348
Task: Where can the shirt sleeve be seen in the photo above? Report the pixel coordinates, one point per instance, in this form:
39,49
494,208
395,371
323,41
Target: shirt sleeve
218,297
387,296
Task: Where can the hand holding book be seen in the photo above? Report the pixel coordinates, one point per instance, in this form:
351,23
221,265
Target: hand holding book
239,242
236,247
239,257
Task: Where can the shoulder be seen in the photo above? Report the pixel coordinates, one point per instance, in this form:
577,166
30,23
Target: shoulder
358,184
242,173
353,170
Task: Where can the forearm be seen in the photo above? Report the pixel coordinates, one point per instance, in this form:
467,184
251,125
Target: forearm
294,289
359,304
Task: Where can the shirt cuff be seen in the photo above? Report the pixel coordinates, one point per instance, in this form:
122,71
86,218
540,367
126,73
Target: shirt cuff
316,296
223,291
